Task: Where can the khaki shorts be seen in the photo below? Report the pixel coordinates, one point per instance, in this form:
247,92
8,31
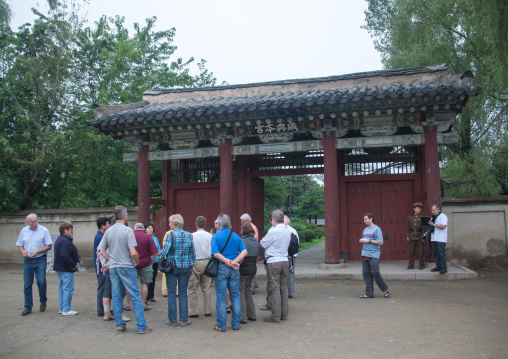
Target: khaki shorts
145,275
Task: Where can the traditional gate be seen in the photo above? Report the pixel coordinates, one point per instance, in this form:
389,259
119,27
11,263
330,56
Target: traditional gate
373,135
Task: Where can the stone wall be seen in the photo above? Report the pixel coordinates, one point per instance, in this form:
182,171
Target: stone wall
477,227
83,220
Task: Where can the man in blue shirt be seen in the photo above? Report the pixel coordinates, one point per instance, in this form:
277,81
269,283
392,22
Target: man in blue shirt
102,224
33,242
228,276
372,240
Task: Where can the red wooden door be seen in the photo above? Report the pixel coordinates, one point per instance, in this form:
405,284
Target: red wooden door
390,203
194,202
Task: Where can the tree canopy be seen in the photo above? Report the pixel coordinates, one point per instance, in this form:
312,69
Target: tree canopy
52,71
295,195
467,35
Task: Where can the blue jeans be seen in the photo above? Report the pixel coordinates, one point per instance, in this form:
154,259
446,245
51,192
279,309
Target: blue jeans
126,277
35,266
181,275
228,278
65,291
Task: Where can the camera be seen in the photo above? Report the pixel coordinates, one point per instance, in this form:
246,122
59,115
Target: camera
427,232
426,227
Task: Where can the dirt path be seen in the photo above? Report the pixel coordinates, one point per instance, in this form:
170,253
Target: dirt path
457,319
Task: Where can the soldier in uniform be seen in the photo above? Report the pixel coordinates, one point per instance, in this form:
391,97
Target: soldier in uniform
414,231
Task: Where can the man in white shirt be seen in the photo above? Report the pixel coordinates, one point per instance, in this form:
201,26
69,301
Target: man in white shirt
33,242
203,248
276,244
439,238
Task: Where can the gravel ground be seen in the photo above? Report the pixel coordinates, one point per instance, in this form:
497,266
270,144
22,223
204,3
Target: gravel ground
456,319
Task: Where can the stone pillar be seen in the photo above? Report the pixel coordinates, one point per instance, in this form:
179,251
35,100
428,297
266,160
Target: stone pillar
143,186
226,178
431,178
332,213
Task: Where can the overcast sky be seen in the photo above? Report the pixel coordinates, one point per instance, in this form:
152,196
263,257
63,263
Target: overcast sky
250,41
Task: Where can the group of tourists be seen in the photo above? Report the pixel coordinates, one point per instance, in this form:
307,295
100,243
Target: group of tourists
123,255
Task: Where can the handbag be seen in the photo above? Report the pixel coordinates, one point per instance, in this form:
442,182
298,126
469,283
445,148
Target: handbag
213,264
166,266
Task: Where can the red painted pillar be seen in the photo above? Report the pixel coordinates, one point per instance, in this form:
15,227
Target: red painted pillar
242,188
332,217
432,180
226,178
143,186
165,187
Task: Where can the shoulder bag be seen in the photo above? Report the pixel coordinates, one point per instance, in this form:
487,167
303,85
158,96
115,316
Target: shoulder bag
213,264
166,266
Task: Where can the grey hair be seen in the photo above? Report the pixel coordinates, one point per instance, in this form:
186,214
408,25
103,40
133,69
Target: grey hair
438,207
30,215
278,215
245,217
139,226
223,220
120,212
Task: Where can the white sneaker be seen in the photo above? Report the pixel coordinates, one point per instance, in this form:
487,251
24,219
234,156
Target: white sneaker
70,312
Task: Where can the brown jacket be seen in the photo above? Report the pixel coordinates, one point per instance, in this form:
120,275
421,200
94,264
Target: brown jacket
414,227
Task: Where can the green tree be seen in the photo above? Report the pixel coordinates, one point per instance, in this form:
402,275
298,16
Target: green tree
5,13
51,74
275,194
312,203
297,187
33,106
467,35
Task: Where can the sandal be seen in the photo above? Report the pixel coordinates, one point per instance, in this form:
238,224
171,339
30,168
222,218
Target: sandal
387,294
228,309
146,308
108,318
127,308
366,296
153,300
243,321
216,327
252,319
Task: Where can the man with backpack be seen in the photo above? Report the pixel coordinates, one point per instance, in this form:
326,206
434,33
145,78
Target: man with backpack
292,255
276,244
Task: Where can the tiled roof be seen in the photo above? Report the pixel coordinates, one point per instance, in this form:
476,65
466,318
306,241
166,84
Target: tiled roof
268,105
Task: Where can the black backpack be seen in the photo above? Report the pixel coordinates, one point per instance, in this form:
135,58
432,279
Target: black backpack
293,245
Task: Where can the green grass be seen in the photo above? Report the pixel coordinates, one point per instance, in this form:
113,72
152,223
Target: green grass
310,244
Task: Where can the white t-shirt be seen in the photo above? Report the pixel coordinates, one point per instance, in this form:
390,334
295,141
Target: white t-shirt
202,244
440,235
